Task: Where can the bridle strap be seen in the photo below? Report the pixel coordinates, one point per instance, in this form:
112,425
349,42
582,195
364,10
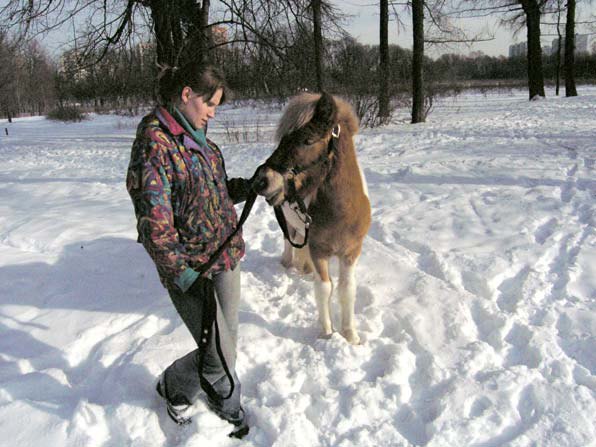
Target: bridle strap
281,220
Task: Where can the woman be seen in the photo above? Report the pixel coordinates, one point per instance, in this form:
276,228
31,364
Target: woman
184,204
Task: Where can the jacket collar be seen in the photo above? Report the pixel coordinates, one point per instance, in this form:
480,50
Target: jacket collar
167,120
196,134
192,138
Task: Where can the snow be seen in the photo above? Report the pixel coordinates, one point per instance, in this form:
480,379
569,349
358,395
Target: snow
475,299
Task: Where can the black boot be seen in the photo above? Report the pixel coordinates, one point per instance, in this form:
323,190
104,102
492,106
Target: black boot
229,409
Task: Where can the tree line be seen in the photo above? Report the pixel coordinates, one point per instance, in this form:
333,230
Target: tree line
27,78
266,49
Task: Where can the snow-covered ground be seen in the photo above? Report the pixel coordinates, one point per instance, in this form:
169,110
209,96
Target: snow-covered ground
476,290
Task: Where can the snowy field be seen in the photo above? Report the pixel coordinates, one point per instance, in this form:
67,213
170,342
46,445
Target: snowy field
476,290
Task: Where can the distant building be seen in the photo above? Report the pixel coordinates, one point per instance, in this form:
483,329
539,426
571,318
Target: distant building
220,35
584,44
518,49
555,46
70,64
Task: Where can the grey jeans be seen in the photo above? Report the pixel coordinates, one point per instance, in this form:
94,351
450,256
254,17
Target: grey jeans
182,376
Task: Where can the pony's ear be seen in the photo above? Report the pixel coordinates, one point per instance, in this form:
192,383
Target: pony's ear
325,113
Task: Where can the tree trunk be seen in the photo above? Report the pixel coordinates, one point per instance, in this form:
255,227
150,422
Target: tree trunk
181,31
560,39
535,74
200,36
163,33
417,62
205,16
318,40
384,62
570,89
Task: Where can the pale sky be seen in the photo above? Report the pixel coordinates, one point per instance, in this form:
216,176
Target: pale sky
364,26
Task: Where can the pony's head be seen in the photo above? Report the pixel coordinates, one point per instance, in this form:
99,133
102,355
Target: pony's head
304,153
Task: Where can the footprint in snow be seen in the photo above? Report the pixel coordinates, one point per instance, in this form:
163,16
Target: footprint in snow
479,406
521,351
489,326
567,191
511,290
545,231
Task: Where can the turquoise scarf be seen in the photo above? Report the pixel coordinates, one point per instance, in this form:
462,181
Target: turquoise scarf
197,134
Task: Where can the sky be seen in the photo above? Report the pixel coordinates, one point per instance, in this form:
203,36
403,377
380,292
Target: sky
364,26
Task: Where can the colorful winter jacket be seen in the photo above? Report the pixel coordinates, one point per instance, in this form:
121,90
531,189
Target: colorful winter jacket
182,200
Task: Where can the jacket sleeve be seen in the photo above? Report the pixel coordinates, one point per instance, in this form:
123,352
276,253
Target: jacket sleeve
149,188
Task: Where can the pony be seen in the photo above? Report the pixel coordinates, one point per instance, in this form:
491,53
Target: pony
315,166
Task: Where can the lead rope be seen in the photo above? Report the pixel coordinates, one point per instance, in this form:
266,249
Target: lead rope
209,322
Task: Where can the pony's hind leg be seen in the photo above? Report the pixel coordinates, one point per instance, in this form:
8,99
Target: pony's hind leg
347,297
323,291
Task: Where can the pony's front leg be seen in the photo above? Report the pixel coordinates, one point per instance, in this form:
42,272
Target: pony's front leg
347,298
287,258
302,260
323,291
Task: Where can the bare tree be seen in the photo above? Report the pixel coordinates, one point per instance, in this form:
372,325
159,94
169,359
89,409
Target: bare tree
441,31
384,60
8,75
517,13
571,24
532,10
570,89
417,62
558,55
318,41
182,28
26,77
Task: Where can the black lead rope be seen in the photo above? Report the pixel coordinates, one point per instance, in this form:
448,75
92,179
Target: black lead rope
209,322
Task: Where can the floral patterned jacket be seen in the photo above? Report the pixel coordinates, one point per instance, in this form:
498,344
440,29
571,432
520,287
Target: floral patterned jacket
183,200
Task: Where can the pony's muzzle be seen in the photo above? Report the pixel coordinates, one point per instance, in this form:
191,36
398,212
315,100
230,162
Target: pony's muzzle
270,184
260,184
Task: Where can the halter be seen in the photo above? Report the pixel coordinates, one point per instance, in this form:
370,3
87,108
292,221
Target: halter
294,201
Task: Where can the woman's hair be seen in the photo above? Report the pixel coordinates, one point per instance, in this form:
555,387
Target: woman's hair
204,80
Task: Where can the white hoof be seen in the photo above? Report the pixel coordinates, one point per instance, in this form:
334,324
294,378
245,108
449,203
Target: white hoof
286,263
326,335
351,336
305,269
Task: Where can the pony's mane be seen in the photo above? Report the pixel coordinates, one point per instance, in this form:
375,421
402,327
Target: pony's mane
301,109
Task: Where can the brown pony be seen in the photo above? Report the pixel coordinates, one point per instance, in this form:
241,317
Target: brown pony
315,162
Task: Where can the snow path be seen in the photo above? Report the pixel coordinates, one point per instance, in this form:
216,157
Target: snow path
476,290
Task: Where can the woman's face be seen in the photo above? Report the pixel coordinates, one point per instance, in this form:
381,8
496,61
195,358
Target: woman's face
196,110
